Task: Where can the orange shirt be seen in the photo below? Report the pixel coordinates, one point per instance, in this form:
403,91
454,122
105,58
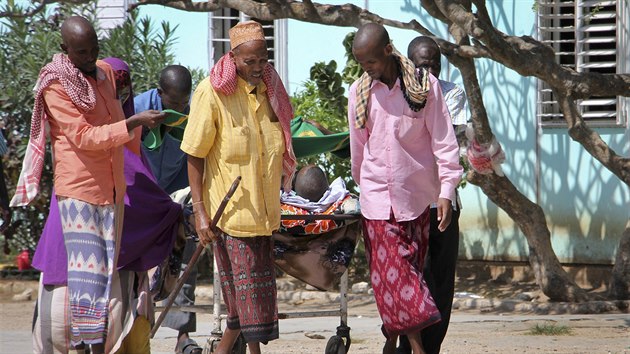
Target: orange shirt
87,147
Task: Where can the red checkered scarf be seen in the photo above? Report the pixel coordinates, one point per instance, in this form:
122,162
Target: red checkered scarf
224,79
82,95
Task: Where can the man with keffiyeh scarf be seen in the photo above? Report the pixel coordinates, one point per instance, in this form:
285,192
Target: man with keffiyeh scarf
239,125
404,156
76,96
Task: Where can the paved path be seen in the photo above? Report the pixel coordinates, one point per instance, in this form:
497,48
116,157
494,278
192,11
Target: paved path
469,333
474,329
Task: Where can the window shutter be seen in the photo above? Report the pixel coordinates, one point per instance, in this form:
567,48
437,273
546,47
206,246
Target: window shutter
110,14
586,37
220,23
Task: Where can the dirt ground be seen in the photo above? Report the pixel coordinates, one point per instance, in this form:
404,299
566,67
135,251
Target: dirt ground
471,331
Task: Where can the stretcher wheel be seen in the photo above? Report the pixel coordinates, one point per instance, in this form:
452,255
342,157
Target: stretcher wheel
335,345
240,346
211,345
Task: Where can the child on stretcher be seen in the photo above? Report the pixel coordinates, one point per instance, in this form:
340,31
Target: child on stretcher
312,195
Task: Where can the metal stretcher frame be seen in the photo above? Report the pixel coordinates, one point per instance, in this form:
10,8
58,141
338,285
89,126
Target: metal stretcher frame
307,141
337,344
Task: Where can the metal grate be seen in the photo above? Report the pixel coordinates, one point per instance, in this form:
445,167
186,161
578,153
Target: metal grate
220,23
587,36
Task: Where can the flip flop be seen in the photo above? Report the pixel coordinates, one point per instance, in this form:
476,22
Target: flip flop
188,346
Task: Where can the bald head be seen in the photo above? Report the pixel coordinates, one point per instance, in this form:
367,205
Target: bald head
424,52
80,43
174,87
373,51
176,79
76,26
371,35
311,183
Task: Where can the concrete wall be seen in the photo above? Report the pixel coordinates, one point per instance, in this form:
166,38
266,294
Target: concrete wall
586,206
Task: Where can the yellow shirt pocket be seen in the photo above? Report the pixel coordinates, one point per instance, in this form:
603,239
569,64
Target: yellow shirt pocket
274,138
236,147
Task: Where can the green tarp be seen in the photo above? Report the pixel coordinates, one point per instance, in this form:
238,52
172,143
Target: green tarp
308,140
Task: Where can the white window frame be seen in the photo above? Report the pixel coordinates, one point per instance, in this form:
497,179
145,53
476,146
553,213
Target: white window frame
111,13
549,31
219,24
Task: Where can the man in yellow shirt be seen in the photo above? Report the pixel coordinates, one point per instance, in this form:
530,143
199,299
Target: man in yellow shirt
239,126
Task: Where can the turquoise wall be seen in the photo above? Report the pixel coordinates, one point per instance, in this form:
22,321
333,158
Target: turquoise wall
585,205
510,99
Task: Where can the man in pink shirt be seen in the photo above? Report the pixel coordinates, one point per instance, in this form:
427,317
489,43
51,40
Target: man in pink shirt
404,157
76,95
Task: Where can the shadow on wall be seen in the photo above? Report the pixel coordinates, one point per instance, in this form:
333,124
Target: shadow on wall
585,205
413,8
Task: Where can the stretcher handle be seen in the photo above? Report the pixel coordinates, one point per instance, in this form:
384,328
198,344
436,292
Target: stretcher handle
194,258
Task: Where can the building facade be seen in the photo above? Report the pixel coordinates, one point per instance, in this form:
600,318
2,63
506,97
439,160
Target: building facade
586,206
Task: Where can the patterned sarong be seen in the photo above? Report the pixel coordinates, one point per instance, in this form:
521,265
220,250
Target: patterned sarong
90,240
98,296
248,285
395,253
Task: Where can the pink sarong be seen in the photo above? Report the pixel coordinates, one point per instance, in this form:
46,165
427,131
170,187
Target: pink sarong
395,252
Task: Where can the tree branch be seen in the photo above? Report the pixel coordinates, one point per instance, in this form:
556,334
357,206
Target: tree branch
347,15
41,5
530,218
584,85
517,53
591,140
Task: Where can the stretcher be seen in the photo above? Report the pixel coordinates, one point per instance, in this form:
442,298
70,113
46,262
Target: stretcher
313,261
319,260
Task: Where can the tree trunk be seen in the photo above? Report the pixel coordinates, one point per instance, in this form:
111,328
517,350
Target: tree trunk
620,282
550,276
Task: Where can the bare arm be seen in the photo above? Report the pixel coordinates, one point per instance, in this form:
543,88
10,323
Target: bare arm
195,179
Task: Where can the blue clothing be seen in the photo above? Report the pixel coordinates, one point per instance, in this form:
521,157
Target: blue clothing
168,161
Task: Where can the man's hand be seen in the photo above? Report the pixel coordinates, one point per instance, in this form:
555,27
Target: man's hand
202,225
149,119
444,213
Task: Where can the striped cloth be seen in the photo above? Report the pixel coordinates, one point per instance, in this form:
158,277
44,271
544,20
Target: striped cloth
82,95
413,82
224,79
51,324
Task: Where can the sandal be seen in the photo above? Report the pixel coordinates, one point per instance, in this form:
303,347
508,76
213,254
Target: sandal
188,346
